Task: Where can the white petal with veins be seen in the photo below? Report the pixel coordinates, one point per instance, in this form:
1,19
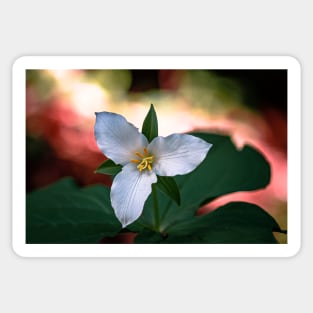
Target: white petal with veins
129,191
177,154
118,139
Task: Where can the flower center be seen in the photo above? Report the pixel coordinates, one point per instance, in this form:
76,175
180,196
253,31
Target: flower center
145,160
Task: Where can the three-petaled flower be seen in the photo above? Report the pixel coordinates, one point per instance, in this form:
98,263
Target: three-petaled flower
120,141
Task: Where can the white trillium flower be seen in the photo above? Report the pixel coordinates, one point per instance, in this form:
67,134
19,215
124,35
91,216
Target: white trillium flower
141,161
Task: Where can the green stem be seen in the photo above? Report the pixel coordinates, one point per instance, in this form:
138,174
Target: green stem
156,209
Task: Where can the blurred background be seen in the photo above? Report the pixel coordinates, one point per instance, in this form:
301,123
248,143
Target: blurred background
248,105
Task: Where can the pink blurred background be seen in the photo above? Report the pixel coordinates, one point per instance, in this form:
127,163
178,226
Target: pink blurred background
248,105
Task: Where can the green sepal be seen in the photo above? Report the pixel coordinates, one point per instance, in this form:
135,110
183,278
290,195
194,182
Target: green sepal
168,185
108,167
150,124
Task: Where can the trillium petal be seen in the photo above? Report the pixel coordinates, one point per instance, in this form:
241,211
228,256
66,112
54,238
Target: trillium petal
177,154
118,139
129,192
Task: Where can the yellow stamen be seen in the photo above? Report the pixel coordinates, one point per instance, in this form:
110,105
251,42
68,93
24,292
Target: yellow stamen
134,161
145,161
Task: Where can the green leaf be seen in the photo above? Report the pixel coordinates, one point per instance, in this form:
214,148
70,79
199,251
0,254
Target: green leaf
169,187
108,167
233,223
150,125
224,170
64,213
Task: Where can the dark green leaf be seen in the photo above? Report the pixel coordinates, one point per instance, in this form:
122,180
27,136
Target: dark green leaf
64,213
108,167
224,170
150,125
235,222
169,187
